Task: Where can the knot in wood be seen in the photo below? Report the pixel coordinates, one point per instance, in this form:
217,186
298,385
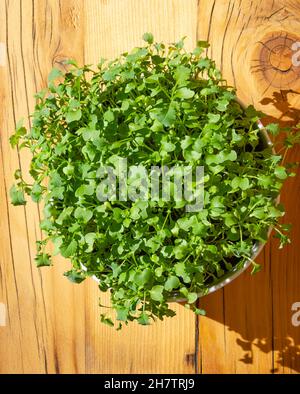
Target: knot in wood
279,59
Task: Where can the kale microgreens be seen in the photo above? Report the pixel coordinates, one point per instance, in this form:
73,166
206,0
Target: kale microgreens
157,105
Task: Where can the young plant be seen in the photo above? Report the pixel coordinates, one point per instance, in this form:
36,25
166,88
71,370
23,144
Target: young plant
155,106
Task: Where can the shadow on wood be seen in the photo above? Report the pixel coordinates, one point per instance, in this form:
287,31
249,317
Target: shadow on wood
255,311
288,114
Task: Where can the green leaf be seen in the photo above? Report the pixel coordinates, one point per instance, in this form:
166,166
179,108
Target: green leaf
17,136
167,117
43,260
172,283
252,113
58,192
213,118
55,179
258,213
239,182
83,214
182,74
143,319
180,270
186,142
204,63
222,105
73,116
64,215
200,312
85,190
75,276
156,293
168,146
280,172
46,225
273,128
89,151
122,314
71,62
142,278
109,116
54,74
185,93
110,74
36,192
244,184
106,320
17,196
192,297
180,251
229,219
69,170
265,181
221,157
227,155
68,249
148,37
209,91
256,268
90,240
89,134
202,44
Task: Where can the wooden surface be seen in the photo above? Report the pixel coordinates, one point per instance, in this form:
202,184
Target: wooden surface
53,326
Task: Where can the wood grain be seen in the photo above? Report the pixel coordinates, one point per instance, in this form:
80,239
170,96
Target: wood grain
113,27
36,36
52,326
248,329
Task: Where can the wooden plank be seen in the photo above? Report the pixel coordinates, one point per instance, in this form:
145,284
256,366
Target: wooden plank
39,332
53,326
248,327
113,27
285,273
236,334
